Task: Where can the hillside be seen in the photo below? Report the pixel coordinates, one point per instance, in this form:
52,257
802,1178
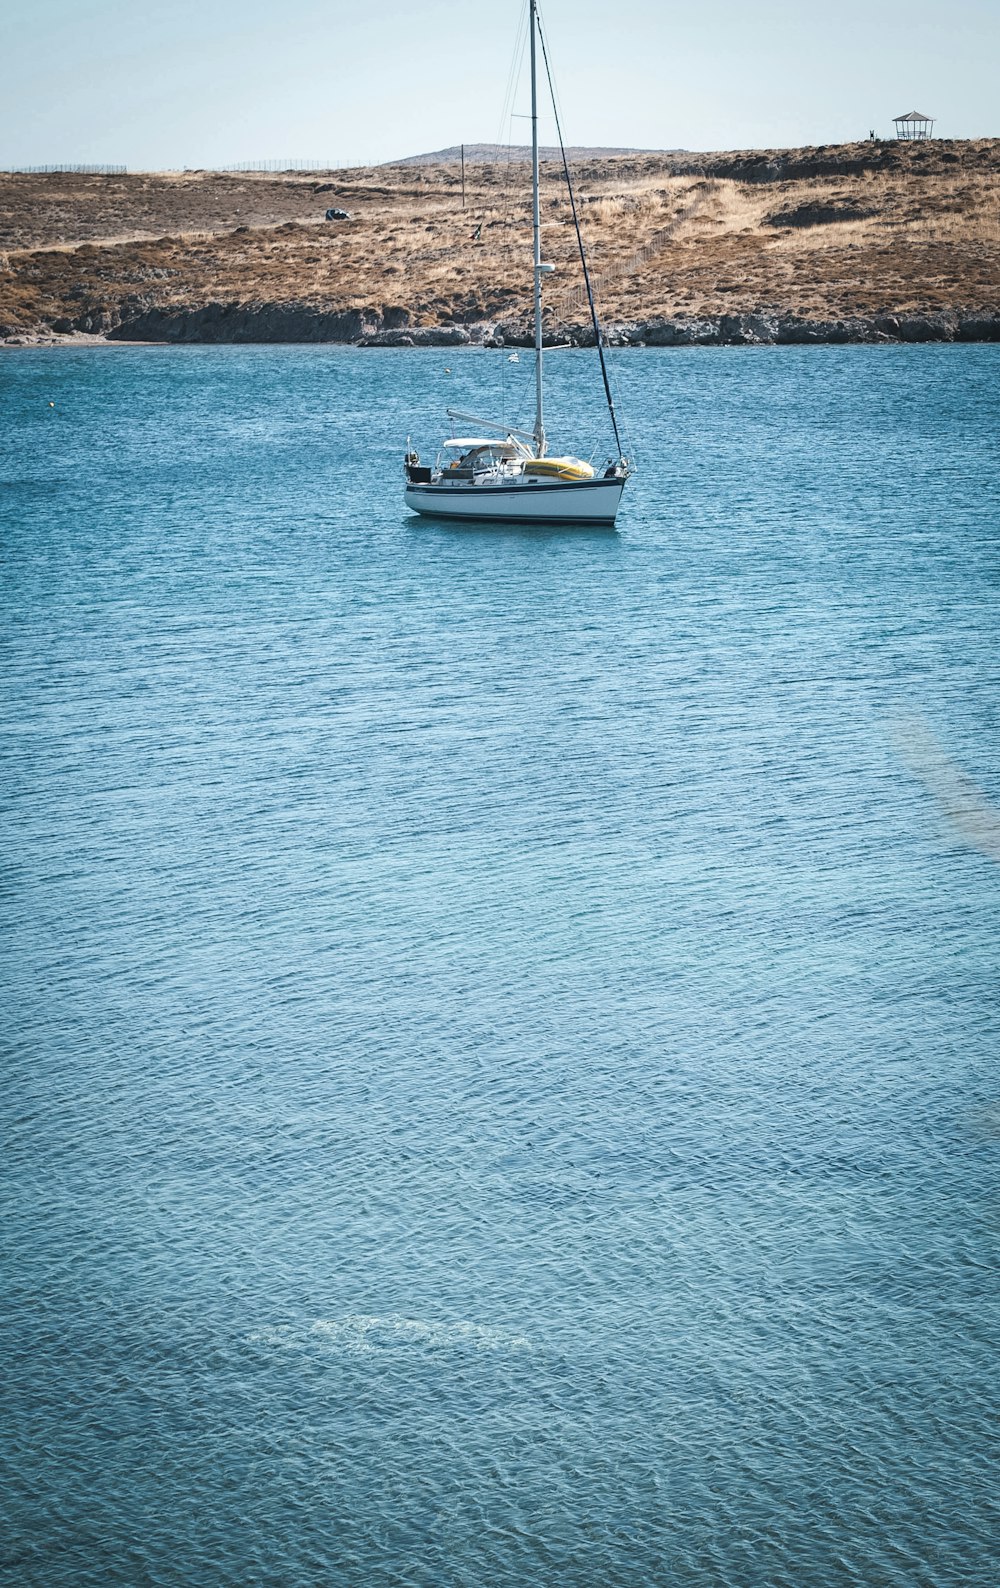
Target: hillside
487,153
855,242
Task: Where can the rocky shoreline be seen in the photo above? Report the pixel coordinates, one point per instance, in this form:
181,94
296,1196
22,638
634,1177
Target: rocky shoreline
235,323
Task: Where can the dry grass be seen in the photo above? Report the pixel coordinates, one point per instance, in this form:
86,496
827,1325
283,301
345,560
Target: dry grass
665,236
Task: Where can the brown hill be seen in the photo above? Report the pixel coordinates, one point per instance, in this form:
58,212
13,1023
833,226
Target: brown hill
853,241
489,153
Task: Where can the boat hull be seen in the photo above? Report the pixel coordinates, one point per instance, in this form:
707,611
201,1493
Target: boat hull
533,502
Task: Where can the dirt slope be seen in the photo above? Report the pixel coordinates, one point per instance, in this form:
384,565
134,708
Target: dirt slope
857,241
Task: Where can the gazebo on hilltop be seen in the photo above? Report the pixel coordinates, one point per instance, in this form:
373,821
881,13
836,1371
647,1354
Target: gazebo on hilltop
914,125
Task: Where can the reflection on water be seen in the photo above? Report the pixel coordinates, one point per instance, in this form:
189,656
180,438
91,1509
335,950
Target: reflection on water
962,803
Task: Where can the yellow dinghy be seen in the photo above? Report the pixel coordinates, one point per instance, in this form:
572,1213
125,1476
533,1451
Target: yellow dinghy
558,469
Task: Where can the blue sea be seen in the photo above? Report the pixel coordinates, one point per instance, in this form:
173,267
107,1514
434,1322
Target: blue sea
501,1027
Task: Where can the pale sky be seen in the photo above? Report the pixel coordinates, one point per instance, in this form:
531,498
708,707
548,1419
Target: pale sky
163,84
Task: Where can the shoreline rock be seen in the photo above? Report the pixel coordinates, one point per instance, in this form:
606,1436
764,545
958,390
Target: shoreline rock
288,323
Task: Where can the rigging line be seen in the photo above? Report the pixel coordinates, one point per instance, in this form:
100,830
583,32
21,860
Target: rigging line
527,386
505,237
583,255
629,440
614,372
501,148
513,77
502,163
577,294
575,297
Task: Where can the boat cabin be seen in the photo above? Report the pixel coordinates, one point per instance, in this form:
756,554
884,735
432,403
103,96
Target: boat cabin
463,457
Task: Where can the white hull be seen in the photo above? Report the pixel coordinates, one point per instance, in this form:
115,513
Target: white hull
535,502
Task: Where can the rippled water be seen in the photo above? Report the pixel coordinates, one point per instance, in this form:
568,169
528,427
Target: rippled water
500,1076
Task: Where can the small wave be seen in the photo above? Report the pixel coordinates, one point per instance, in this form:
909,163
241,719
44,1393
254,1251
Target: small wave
271,1334
368,1332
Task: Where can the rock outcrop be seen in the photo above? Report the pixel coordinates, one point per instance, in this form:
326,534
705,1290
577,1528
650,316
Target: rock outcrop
387,328
748,330
381,328
241,322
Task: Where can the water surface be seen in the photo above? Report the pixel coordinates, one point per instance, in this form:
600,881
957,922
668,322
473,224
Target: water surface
500,1075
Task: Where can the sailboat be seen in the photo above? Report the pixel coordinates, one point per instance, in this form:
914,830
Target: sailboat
507,476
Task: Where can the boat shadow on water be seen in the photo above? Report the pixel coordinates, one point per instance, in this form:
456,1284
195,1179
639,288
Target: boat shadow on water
493,529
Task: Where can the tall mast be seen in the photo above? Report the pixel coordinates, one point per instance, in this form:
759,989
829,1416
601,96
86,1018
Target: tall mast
536,228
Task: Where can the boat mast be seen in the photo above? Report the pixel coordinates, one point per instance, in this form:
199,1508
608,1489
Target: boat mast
536,228
598,338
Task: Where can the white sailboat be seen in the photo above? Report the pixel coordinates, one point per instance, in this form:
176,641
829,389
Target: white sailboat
507,476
